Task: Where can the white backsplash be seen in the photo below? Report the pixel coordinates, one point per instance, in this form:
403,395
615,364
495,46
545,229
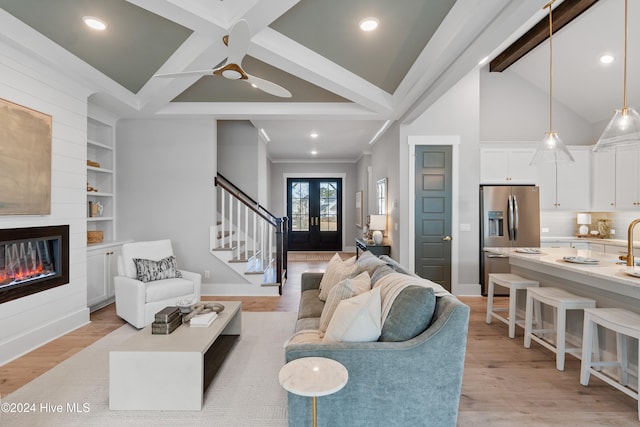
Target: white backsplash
563,224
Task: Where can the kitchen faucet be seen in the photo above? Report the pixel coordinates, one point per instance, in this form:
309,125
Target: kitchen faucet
630,258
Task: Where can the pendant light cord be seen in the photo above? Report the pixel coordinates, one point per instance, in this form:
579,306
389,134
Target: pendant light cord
626,30
550,66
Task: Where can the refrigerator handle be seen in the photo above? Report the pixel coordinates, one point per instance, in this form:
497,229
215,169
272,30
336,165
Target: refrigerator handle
516,217
510,214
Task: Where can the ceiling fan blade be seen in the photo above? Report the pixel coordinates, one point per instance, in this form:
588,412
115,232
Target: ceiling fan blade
239,37
186,74
269,87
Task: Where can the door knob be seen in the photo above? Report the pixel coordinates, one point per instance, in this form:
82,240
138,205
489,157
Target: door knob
446,238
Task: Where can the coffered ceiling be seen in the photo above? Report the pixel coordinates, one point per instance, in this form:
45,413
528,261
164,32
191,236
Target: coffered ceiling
346,84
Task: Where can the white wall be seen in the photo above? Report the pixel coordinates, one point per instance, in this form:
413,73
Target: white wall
242,157
456,113
278,192
512,109
34,320
165,186
385,163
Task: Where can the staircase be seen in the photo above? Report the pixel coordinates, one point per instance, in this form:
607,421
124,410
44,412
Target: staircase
250,240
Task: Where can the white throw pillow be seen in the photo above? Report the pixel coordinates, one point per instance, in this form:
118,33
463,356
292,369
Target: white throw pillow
346,288
336,272
356,319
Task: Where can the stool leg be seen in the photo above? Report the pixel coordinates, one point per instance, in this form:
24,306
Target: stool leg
621,345
512,312
588,330
561,318
489,299
528,318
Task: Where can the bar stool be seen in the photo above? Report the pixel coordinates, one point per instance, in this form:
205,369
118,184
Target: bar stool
625,324
561,301
514,283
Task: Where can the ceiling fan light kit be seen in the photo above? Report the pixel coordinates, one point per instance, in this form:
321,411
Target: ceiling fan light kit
551,149
624,127
237,42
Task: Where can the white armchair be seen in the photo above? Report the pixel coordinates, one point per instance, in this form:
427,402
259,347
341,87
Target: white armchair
137,302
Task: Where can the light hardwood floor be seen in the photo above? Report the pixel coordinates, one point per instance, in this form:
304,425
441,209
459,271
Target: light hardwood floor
504,384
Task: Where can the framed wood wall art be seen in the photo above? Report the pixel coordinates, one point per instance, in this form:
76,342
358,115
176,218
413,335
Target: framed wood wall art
25,163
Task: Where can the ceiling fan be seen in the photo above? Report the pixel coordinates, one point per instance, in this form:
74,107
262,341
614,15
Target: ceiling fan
238,42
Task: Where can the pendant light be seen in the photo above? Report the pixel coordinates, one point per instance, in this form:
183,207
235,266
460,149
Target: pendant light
624,127
551,149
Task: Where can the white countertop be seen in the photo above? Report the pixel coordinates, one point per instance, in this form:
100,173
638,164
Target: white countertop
606,275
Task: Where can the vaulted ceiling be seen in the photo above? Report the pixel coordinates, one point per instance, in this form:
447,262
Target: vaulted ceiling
346,84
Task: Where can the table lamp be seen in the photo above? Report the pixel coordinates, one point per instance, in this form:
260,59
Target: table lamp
377,223
584,220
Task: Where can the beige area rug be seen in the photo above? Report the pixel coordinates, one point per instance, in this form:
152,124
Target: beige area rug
245,391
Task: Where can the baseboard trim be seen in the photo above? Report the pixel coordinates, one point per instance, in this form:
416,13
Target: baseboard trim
30,340
467,289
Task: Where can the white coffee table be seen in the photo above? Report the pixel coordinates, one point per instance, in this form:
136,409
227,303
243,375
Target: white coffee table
313,377
171,372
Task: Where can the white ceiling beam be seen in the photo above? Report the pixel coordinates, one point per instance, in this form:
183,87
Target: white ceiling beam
509,21
274,48
271,110
198,52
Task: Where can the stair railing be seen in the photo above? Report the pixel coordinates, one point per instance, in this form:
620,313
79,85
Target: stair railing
262,220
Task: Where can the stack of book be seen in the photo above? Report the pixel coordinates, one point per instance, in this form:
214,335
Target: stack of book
166,321
203,320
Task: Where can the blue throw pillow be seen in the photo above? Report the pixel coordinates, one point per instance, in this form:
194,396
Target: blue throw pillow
410,314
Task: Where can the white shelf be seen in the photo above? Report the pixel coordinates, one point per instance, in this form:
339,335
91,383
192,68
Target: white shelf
102,170
99,144
99,218
99,194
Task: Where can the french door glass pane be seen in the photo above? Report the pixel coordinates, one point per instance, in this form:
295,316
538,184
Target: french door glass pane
300,206
328,206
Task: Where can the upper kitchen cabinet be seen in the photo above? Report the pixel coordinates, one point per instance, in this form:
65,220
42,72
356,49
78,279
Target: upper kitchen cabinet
502,165
627,180
567,186
603,181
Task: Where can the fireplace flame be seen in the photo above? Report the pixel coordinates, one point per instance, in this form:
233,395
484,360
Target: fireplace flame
25,261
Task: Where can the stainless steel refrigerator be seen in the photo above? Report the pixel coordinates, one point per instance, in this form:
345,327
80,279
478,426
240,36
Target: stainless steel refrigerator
509,217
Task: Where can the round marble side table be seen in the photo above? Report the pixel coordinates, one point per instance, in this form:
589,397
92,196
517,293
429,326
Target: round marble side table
313,377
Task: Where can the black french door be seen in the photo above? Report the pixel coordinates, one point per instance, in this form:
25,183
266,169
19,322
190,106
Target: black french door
314,208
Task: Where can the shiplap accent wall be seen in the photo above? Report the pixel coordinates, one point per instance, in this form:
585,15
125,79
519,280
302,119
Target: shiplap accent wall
29,322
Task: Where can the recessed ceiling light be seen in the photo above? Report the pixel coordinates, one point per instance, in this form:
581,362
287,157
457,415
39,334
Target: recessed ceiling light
606,59
314,152
369,24
313,135
95,23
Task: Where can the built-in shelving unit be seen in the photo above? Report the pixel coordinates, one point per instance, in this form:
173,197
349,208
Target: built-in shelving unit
101,178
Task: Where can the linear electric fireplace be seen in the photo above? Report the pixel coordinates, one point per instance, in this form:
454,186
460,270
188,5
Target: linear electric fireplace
32,260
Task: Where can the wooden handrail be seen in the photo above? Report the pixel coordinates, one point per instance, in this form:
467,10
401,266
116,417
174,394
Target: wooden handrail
246,199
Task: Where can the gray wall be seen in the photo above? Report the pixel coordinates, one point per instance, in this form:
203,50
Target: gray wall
242,158
278,190
456,113
512,109
165,187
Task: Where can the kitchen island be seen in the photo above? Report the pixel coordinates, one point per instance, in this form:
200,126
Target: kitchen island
605,281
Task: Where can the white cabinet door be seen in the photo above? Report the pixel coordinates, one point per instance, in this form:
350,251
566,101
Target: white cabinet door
102,267
96,277
494,166
519,169
603,180
573,188
566,186
507,166
596,247
112,260
627,178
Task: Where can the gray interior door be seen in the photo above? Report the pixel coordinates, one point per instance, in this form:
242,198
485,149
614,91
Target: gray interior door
433,214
